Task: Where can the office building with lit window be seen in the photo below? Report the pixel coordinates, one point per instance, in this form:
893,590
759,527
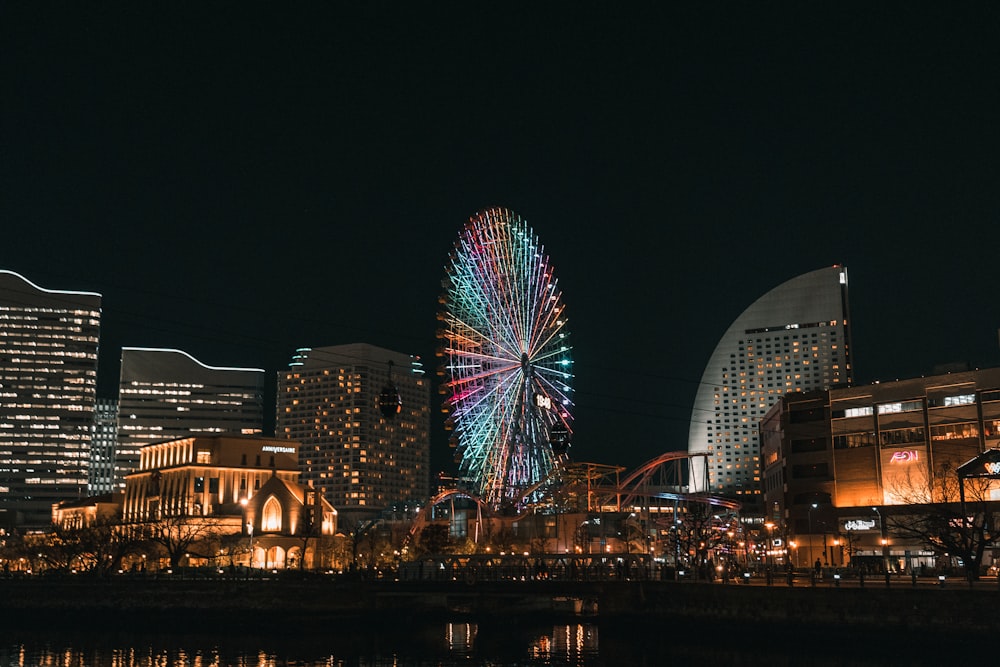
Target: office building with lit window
838,462
103,445
165,394
364,453
48,383
794,338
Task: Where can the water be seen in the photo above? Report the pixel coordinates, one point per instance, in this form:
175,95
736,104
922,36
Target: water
439,645
470,645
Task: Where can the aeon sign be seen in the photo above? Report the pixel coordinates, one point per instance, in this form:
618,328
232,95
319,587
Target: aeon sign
908,456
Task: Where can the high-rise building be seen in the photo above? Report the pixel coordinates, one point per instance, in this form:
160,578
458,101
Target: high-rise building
48,384
166,394
363,452
103,445
794,338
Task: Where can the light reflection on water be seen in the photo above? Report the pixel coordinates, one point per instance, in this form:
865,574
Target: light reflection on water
494,644
454,644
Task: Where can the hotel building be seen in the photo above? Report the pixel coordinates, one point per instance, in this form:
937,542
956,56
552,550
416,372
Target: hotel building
837,462
48,376
165,394
794,338
362,458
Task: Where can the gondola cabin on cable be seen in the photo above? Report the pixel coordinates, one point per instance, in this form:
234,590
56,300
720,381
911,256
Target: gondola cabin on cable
389,402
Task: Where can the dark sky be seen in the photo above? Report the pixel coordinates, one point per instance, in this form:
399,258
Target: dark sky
243,180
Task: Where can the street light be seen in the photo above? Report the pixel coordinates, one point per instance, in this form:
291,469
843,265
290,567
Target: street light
885,544
769,553
811,508
249,529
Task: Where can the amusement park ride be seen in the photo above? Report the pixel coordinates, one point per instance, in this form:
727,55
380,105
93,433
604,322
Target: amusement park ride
507,376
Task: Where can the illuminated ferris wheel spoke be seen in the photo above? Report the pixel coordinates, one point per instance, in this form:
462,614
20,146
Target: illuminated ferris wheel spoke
508,369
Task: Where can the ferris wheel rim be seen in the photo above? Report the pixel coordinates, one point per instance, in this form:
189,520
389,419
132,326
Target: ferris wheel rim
506,345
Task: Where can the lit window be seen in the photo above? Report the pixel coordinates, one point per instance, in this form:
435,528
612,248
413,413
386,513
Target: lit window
271,518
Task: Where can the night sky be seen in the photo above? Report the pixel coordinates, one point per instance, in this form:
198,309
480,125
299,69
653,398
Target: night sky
247,179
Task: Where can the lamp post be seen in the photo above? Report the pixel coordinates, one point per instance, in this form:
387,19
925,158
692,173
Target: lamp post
249,528
811,508
885,545
769,553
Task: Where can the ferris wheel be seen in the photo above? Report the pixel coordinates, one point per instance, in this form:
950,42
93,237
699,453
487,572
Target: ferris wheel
508,372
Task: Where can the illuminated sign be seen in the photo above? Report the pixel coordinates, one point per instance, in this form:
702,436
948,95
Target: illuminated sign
543,401
859,525
278,449
904,457
985,465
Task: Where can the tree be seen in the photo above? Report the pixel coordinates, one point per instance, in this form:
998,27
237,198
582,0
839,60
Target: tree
434,539
176,535
310,522
696,533
104,544
941,525
57,549
361,528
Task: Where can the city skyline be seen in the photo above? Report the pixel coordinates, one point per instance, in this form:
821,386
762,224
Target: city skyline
262,185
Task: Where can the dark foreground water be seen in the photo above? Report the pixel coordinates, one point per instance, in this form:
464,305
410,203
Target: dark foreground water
497,644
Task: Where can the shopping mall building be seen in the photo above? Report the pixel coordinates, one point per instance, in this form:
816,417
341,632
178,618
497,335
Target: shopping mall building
841,464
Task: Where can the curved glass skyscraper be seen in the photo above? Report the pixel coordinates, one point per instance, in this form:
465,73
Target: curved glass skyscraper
794,338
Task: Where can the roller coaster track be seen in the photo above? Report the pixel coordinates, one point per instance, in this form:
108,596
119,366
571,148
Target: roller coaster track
620,494
635,483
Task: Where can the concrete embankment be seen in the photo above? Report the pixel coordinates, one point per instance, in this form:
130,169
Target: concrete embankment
194,603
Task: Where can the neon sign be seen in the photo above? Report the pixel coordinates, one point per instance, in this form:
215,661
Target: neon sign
905,457
992,467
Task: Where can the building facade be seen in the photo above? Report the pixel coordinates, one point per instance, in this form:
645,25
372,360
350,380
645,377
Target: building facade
103,446
165,394
48,382
837,462
240,493
363,458
794,338
87,512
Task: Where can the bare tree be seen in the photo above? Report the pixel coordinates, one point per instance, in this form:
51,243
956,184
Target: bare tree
177,535
695,534
104,544
310,524
56,550
361,528
941,525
